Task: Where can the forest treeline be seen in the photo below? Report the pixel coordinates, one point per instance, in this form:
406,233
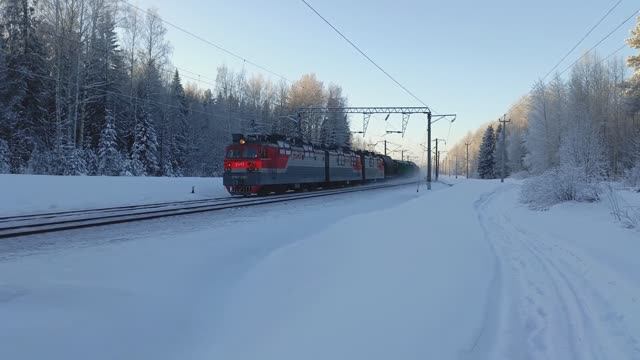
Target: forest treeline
570,133
87,87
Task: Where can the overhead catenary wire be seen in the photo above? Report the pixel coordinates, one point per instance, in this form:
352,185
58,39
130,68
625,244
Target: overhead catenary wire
613,53
208,42
583,38
359,50
162,69
125,96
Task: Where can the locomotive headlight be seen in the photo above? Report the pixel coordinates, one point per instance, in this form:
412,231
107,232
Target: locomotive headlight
242,141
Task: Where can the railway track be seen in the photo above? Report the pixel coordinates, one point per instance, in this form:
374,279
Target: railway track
21,225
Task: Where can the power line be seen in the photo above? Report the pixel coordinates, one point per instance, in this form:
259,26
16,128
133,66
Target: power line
613,53
210,43
583,38
162,69
601,41
516,106
364,54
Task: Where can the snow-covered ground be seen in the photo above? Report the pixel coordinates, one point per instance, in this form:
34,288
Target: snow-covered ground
21,194
462,272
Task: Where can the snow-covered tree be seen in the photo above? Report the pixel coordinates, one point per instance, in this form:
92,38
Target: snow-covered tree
4,157
545,122
145,145
25,89
633,88
104,75
335,127
179,149
91,160
308,91
74,162
486,160
109,158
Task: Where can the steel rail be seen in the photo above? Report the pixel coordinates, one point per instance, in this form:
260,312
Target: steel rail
108,218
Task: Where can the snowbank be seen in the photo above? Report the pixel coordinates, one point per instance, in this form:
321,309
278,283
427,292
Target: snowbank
21,194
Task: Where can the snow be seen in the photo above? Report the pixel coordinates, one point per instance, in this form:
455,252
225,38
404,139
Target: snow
461,272
21,194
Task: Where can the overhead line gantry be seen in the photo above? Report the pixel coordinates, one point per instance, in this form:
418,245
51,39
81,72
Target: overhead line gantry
367,111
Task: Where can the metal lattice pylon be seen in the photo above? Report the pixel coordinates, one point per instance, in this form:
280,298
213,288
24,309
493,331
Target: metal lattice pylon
365,123
405,122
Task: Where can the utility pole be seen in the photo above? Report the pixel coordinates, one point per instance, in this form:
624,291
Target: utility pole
429,150
402,154
385,147
467,144
437,165
504,122
436,140
438,157
456,166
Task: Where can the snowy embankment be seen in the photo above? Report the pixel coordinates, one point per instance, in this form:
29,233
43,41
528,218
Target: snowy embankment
462,272
466,273
21,194
408,282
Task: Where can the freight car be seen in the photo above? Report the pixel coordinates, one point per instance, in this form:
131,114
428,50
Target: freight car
262,164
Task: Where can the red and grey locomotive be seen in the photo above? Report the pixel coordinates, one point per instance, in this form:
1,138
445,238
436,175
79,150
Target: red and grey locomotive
261,164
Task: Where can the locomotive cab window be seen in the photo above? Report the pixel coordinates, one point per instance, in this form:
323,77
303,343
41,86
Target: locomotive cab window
234,154
250,153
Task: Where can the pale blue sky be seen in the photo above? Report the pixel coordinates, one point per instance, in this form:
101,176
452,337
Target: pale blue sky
474,58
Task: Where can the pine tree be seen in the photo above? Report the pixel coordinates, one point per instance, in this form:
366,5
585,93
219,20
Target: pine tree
90,159
144,150
41,163
179,143
24,89
109,159
5,126
145,145
104,75
4,157
486,161
74,162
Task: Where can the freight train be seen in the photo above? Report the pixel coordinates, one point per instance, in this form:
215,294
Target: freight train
264,164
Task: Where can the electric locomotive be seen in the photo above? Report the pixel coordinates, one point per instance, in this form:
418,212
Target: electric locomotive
261,164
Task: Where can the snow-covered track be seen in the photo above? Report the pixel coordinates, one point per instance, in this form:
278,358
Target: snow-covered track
31,224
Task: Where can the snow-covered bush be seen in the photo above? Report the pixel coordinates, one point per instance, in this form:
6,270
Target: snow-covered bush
520,175
91,161
74,162
558,185
632,177
628,216
577,178
43,162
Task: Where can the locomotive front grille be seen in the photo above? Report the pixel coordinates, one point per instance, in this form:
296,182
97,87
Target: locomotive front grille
243,189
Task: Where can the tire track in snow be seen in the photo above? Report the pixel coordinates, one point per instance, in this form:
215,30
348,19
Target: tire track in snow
560,313
612,339
523,328
485,339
